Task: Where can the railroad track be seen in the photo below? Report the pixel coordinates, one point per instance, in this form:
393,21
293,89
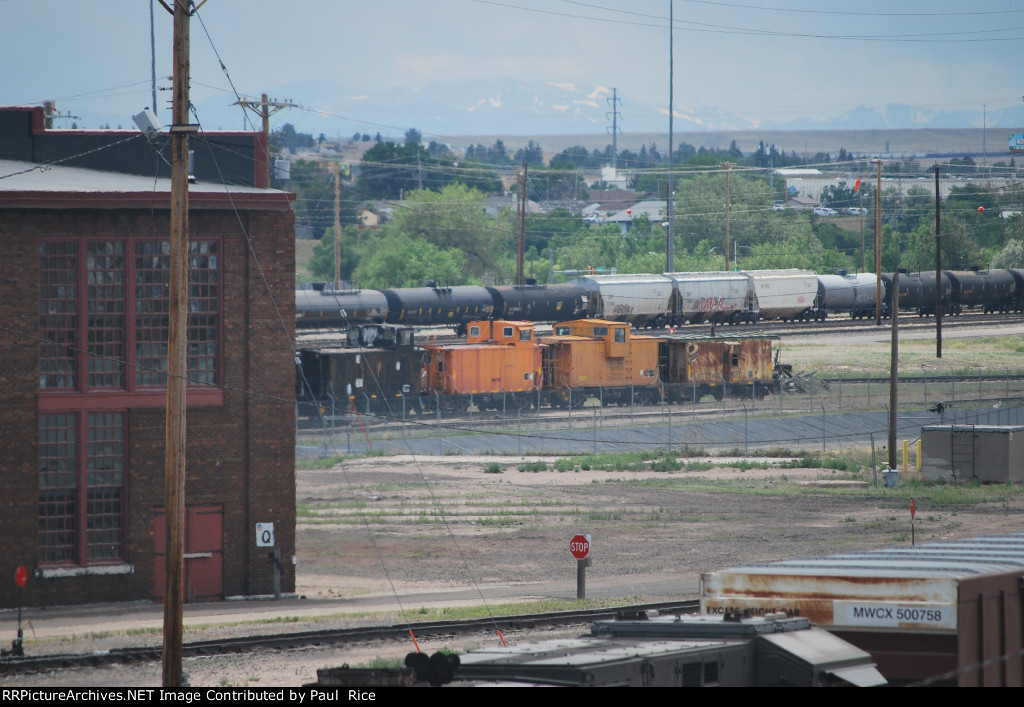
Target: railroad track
15,665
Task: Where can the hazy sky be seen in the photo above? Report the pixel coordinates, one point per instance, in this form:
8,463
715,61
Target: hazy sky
765,59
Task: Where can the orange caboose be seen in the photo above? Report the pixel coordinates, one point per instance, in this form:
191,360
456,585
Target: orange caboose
499,366
604,359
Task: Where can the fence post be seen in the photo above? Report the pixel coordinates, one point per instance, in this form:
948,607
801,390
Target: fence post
570,408
519,429
440,441
746,436
822,431
669,427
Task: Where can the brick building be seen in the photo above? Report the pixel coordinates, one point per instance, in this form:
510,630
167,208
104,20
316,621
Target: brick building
83,327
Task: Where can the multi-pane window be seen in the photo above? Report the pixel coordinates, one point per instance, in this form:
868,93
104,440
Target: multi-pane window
105,299
81,487
58,314
89,293
103,321
104,483
58,483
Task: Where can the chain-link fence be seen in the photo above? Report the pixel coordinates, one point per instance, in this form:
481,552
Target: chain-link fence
799,412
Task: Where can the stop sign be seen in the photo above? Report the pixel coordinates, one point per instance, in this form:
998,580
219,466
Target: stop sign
579,546
20,576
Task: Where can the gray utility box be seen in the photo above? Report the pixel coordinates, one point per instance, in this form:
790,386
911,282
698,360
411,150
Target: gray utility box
985,453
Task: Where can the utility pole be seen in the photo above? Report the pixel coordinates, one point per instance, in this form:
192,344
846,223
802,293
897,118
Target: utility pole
894,374
334,170
878,245
728,166
521,226
152,54
615,115
265,108
670,253
174,453
860,208
938,270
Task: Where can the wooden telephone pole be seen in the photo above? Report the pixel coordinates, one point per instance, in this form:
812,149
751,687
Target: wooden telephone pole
521,226
265,108
336,171
177,373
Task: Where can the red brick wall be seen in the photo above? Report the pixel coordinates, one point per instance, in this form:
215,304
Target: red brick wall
240,455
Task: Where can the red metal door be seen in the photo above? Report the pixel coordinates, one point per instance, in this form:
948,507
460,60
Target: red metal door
204,553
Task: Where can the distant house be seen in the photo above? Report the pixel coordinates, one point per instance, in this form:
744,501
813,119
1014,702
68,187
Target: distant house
369,219
653,210
801,203
613,199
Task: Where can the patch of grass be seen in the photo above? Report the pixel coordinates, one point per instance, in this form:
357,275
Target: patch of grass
847,464
492,468
517,609
533,466
565,464
669,462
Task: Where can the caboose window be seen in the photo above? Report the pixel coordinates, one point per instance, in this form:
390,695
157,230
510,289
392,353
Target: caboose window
600,331
561,331
474,331
507,332
620,334
526,335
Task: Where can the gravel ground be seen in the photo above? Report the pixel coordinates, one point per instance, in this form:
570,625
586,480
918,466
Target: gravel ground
438,524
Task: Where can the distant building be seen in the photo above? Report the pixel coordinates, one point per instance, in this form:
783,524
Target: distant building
83,329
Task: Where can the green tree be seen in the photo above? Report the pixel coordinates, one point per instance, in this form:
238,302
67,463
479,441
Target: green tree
398,260
531,155
562,183
700,209
389,171
1011,256
453,220
314,197
321,266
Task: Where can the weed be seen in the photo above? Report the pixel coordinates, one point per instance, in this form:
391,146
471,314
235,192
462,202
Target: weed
492,468
564,465
533,466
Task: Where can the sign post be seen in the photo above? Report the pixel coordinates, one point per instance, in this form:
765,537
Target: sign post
17,645
265,538
913,512
579,547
